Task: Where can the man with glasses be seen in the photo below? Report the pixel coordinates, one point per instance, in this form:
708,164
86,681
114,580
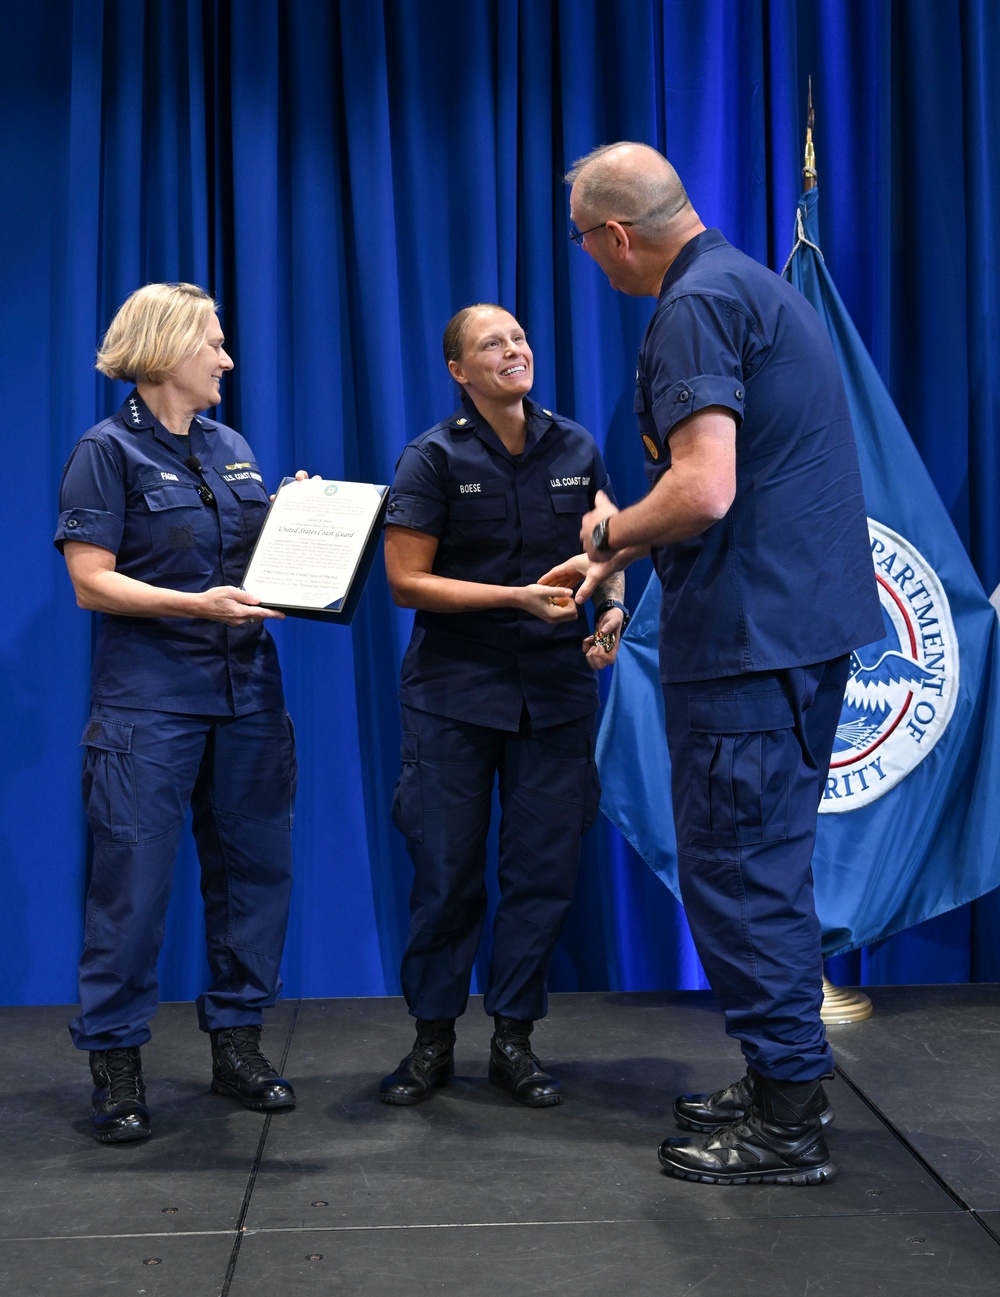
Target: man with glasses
756,525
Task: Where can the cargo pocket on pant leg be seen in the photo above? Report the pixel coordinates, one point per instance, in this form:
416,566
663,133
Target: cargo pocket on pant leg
109,780
407,801
741,754
592,788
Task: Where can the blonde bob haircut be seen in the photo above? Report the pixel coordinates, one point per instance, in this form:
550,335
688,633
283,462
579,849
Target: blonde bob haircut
154,329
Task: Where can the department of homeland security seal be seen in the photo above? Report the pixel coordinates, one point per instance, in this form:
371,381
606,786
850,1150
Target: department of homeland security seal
902,690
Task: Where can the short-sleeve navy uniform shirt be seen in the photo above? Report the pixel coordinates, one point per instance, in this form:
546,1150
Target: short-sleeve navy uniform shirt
126,488
503,520
786,578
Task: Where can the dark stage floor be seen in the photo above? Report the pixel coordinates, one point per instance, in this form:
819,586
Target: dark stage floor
470,1193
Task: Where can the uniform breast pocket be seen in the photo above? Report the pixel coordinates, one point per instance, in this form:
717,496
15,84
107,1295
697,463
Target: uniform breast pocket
574,501
253,500
183,531
743,751
569,504
478,515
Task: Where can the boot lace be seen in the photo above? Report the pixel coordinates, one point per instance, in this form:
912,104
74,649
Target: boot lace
737,1095
522,1059
123,1075
245,1043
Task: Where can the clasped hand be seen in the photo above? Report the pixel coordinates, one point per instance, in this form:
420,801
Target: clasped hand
569,574
550,602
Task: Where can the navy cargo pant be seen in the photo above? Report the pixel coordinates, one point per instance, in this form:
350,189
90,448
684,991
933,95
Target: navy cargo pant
749,757
141,771
549,793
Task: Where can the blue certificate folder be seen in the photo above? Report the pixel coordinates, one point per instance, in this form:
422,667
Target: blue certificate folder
343,609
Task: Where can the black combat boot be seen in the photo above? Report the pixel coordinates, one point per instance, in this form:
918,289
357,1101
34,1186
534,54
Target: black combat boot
120,1112
239,1069
779,1141
705,1112
429,1063
515,1067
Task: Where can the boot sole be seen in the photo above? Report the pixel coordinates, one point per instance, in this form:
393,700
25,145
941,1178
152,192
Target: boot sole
706,1128
807,1176
253,1105
408,1100
128,1135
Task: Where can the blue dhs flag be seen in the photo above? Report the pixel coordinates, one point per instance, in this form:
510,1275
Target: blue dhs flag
910,818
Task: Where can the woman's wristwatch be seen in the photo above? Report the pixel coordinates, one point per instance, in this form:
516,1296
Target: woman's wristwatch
606,605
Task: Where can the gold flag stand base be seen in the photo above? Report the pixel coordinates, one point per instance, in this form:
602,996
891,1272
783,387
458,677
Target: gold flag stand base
841,1006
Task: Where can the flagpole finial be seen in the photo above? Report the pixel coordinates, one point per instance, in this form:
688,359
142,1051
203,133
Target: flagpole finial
809,176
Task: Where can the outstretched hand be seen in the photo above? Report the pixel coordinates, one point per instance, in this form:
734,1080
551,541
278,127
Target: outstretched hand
568,573
580,572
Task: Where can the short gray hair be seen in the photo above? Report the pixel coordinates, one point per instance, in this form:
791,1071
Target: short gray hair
639,186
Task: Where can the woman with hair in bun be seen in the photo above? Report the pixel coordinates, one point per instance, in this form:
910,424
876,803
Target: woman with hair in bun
497,686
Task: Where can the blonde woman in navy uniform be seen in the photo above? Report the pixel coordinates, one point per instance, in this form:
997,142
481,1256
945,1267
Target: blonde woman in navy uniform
159,512
497,684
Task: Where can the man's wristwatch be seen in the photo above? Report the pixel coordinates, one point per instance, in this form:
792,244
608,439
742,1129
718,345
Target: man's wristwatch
601,608
599,537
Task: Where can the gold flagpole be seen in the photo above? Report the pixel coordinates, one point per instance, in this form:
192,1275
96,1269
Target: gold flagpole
809,176
839,1006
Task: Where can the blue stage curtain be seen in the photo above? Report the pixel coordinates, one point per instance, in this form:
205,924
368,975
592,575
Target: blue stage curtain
345,175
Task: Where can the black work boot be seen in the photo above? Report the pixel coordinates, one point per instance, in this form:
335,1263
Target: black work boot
515,1067
705,1112
239,1069
779,1141
429,1063
120,1112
